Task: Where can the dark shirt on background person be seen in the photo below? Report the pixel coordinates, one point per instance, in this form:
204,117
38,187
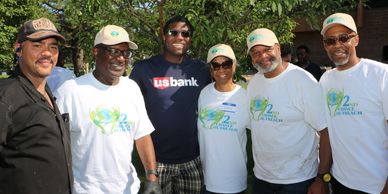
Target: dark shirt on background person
303,55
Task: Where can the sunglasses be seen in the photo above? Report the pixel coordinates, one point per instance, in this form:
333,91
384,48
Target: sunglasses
343,38
225,65
184,34
117,53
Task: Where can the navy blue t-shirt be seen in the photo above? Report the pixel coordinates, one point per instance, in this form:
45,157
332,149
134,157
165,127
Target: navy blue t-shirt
171,94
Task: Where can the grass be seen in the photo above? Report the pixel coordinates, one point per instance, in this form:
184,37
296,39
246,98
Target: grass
3,76
140,172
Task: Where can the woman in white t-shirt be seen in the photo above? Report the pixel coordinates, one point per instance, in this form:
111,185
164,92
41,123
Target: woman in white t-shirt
222,121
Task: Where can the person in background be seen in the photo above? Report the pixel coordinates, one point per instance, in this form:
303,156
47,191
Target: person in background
287,112
286,52
222,123
107,116
59,75
171,83
303,55
356,94
35,156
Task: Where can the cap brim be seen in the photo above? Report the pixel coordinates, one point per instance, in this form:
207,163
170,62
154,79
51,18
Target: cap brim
45,34
131,44
323,31
261,44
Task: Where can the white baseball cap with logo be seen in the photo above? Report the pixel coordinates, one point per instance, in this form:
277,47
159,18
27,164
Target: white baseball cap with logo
112,35
339,19
261,36
220,50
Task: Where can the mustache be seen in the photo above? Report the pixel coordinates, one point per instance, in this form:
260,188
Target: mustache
46,58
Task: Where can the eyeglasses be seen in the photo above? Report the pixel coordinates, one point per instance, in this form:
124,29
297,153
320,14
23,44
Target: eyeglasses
184,34
225,65
117,53
343,38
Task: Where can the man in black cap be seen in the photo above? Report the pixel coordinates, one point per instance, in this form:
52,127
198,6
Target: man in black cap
35,153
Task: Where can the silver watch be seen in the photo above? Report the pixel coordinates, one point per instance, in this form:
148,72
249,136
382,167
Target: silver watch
154,172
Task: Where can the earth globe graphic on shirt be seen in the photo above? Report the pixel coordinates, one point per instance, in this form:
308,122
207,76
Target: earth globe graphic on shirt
105,118
257,107
334,100
209,117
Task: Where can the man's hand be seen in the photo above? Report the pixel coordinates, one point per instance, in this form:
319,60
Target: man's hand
152,187
318,187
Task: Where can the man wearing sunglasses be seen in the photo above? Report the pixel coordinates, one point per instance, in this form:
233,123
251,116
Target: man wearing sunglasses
171,83
356,94
107,116
286,112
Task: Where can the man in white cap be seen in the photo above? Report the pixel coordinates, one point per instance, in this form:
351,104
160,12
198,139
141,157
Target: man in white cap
35,155
107,115
356,94
287,113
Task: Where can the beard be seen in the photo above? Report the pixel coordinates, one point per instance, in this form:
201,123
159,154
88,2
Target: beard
275,62
340,62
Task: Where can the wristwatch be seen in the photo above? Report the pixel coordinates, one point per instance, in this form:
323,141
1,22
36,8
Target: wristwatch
325,177
153,171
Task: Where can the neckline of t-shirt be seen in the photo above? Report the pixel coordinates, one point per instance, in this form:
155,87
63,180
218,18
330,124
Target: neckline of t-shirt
213,87
102,85
350,70
168,63
280,76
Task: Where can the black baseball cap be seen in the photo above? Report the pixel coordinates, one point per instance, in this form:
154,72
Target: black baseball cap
38,29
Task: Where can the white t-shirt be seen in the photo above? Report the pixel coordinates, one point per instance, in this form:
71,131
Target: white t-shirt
222,121
104,122
357,104
58,76
286,111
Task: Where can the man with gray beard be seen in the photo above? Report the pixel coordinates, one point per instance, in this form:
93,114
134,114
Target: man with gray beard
287,113
356,93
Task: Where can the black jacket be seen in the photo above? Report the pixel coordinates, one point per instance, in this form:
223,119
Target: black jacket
35,155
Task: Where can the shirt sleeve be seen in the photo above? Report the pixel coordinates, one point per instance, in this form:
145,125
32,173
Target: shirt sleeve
384,93
314,105
5,121
145,126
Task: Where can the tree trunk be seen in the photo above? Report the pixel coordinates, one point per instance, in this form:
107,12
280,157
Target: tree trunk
78,60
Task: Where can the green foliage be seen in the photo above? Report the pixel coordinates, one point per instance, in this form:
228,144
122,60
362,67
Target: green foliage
215,21
13,13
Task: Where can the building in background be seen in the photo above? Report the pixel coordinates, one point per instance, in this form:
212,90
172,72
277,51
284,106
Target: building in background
372,24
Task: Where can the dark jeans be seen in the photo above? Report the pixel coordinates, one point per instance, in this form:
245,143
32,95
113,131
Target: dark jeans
263,187
339,188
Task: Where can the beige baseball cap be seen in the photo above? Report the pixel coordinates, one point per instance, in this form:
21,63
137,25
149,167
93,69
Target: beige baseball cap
339,19
261,36
220,50
112,35
38,29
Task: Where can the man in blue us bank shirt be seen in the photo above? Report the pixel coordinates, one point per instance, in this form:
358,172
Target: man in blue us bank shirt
171,83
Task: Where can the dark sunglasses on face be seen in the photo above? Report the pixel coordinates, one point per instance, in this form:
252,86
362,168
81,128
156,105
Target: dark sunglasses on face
117,53
184,34
343,38
225,65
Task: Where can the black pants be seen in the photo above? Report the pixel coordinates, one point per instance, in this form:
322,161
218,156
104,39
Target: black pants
339,188
264,187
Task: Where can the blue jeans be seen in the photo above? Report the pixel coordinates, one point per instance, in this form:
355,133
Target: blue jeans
263,187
